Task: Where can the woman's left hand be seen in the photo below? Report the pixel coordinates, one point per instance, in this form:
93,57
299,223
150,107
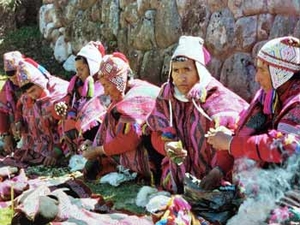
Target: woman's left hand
219,140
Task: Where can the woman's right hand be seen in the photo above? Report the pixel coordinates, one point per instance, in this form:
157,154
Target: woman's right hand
175,151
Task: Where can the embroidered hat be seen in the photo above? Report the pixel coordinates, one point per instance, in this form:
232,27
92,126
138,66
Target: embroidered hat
28,73
283,56
115,68
11,60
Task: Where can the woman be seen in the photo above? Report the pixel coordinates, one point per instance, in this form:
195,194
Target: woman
41,139
190,103
81,110
269,130
268,133
9,95
119,139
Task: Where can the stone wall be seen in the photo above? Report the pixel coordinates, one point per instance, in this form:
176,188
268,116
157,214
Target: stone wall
147,32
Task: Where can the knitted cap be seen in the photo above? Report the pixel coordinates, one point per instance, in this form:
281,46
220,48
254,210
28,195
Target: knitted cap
283,56
11,60
115,69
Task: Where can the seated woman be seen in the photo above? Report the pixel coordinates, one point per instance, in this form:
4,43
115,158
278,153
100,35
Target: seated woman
269,130
9,95
35,108
189,104
119,139
10,126
81,110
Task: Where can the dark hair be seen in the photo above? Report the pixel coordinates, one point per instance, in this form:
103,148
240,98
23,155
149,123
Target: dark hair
26,86
79,57
296,75
10,73
180,59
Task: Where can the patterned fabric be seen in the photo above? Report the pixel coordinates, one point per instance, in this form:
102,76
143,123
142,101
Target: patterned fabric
270,138
28,73
84,100
283,55
190,126
11,60
131,111
115,69
207,104
10,93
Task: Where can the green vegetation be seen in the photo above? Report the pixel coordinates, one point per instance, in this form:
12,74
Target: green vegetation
10,4
122,196
29,41
5,215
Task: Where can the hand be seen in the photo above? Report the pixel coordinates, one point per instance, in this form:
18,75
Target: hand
219,140
212,180
175,151
84,146
93,152
8,143
61,108
16,130
50,161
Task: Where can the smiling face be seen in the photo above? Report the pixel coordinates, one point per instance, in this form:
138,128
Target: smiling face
184,75
82,69
263,76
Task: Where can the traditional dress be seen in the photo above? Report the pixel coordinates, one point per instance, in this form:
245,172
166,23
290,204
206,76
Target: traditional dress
176,117
41,137
85,101
9,94
120,133
269,131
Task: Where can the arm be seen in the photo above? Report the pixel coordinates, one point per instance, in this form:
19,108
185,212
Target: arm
158,143
125,141
274,145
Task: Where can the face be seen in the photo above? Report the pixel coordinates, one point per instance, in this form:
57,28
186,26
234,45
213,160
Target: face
35,92
184,75
111,90
263,76
82,69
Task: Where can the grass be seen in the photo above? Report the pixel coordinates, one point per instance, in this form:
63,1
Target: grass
5,215
122,196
